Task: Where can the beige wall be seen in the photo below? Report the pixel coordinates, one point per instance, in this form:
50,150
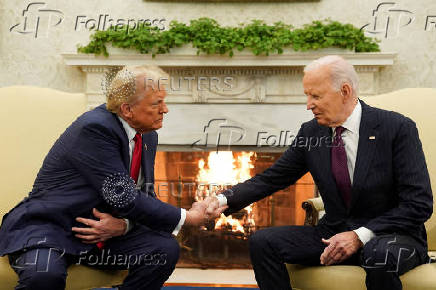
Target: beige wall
37,61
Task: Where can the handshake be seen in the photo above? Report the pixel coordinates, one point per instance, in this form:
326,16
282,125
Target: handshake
202,211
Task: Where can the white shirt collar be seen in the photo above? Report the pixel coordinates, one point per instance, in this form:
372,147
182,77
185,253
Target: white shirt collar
129,130
353,121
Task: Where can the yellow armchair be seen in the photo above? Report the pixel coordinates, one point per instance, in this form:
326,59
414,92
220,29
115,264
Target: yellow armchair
31,119
418,104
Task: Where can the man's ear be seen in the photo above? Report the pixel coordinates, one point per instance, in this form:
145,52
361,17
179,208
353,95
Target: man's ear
125,111
346,91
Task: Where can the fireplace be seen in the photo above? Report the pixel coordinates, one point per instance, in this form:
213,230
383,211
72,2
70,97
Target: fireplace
185,177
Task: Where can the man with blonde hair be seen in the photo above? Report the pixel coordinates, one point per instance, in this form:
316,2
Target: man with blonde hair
102,165
371,173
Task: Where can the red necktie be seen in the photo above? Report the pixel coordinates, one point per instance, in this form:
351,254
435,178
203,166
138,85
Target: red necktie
135,165
136,158
339,166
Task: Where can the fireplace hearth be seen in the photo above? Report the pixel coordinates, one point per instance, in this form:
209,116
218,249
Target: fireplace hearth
185,177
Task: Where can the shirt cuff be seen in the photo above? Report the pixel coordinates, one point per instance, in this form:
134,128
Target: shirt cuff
129,226
222,200
364,234
181,222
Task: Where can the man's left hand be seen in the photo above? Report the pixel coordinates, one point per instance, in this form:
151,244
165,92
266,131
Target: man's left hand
99,231
340,247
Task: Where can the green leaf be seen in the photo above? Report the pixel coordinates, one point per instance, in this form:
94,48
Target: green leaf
209,37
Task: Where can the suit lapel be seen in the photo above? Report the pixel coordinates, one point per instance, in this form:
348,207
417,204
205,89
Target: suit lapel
147,164
144,157
324,151
368,135
124,140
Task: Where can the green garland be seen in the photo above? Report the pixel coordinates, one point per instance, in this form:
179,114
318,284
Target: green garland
209,37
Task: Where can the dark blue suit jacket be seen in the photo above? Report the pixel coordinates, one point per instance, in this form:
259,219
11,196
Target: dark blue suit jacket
391,190
69,185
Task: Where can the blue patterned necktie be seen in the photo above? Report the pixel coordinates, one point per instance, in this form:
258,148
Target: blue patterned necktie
339,166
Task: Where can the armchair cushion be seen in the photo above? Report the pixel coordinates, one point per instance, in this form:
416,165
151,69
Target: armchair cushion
353,277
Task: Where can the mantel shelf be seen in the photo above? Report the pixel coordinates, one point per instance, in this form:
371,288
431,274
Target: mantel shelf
274,79
244,59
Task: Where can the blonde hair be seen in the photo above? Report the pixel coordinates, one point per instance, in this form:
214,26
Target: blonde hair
341,71
124,85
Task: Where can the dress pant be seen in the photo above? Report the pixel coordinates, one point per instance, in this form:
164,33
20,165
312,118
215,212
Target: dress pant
384,258
149,256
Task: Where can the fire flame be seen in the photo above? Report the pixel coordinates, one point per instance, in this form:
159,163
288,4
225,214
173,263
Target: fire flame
234,223
224,170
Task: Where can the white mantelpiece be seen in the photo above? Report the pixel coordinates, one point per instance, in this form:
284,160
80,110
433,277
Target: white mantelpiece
250,79
230,89
187,57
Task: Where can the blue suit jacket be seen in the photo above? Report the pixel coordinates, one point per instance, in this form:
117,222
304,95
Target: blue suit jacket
69,185
391,190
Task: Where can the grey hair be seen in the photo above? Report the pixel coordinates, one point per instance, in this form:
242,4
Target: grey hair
341,71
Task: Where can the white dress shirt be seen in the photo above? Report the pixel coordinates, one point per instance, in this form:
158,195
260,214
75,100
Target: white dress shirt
130,132
351,141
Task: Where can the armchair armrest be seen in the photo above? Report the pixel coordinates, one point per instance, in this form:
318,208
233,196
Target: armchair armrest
314,208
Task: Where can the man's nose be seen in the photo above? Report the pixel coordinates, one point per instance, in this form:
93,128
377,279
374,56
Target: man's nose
309,105
164,108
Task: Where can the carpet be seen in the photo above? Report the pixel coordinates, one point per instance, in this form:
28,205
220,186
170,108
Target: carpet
204,288
192,288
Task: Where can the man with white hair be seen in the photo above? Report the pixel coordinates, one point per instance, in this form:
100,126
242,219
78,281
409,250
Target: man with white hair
102,165
371,172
